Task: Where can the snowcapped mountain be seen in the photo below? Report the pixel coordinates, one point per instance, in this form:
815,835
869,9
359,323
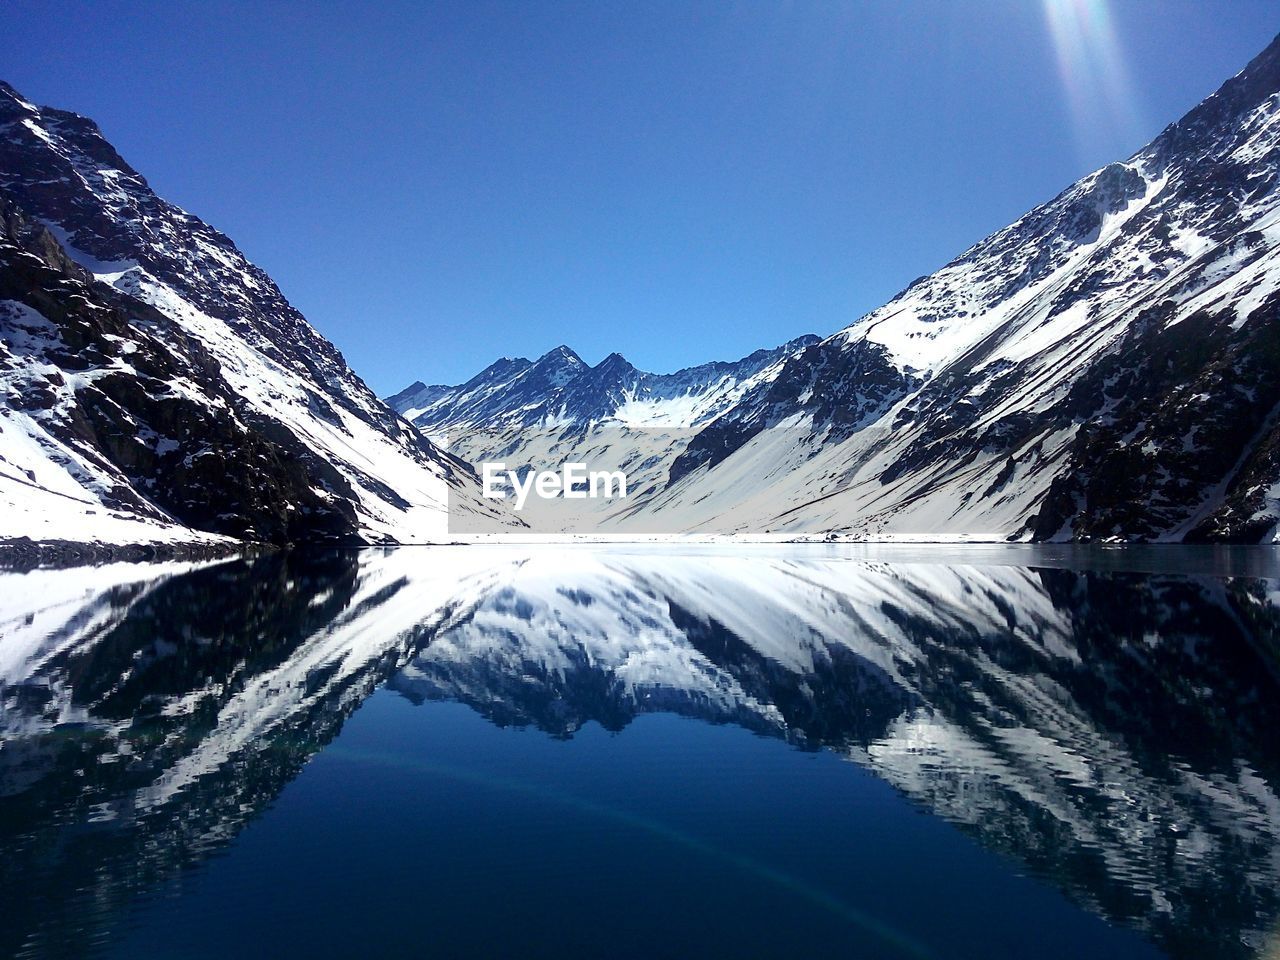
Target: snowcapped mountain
560,390
557,408
1106,367
158,386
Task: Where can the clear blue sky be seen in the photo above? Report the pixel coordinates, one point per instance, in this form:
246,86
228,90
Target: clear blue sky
438,184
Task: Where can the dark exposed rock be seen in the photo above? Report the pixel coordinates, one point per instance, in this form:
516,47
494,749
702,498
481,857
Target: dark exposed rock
178,457
178,367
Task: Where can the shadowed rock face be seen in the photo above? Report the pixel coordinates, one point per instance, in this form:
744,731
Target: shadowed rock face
153,374
1204,395
1113,732
213,471
71,176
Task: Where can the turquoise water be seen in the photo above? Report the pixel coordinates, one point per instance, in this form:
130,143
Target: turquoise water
587,753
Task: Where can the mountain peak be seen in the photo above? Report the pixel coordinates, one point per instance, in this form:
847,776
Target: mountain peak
1225,113
260,384
614,362
561,355
1266,65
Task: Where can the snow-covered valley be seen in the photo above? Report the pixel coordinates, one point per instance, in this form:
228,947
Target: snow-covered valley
1105,368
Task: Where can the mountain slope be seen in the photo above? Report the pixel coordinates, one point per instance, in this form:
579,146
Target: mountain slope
1106,367
160,384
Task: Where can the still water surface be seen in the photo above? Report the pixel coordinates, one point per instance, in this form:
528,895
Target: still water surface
454,752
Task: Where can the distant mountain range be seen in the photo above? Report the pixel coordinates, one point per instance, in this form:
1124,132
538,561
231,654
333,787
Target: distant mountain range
1107,367
560,389
557,408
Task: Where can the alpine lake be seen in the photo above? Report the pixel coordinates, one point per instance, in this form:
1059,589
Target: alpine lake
608,751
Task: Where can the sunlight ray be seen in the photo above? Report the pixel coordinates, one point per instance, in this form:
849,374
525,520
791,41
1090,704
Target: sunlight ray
1099,92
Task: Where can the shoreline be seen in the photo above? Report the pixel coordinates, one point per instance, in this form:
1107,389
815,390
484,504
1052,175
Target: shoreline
22,554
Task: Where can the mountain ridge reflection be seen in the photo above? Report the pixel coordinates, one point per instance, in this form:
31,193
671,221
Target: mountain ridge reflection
1113,732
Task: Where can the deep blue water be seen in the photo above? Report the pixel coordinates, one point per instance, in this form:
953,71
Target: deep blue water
592,754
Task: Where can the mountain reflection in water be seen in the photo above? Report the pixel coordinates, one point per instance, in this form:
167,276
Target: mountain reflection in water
1115,733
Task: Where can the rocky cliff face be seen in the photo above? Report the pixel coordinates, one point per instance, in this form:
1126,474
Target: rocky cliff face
159,385
95,376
